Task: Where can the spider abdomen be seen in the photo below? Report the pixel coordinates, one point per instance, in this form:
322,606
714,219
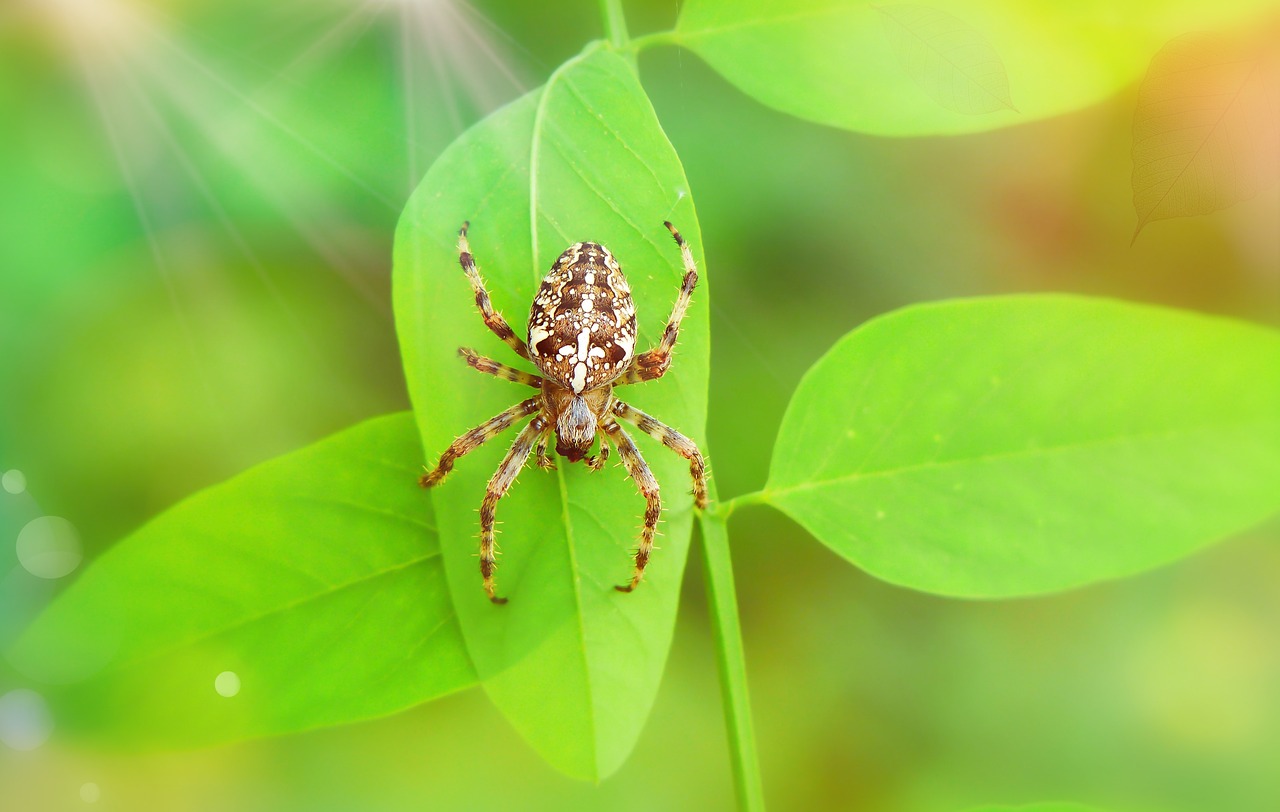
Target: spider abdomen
582,326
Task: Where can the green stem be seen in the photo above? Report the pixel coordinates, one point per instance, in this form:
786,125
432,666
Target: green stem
725,509
656,38
615,24
723,601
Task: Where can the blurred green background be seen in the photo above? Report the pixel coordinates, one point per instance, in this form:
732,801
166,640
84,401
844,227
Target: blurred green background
197,202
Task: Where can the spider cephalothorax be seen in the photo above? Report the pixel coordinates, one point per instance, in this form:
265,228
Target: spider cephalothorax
582,337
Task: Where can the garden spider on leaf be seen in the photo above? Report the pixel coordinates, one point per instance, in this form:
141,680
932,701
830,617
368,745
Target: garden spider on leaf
582,336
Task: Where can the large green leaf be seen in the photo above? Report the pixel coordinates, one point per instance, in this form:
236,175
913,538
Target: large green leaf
1047,807
945,66
315,578
574,664
1018,445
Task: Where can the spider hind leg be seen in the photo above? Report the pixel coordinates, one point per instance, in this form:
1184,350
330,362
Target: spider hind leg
673,440
648,487
498,486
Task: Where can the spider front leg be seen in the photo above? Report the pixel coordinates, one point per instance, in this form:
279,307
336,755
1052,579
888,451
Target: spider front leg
475,438
673,440
647,483
498,486
648,366
492,318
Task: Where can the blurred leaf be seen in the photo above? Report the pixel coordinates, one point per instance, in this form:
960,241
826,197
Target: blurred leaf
316,578
1206,132
840,62
949,59
1018,445
574,664
1049,807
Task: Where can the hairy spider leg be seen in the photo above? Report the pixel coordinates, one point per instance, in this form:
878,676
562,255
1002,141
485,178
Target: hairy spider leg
647,484
492,318
541,457
477,437
648,366
498,486
673,440
498,369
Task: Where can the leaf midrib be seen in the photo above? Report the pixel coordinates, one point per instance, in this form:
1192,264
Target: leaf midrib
273,611
539,124
534,145
1046,451
1209,136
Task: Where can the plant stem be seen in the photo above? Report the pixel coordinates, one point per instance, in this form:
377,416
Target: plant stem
615,24
725,509
656,38
723,601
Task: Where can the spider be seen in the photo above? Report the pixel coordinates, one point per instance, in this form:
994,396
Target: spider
582,334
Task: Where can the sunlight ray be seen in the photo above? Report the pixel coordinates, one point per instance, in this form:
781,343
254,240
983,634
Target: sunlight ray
408,84
439,69
223,218
162,38
461,14
446,53
349,27
97,91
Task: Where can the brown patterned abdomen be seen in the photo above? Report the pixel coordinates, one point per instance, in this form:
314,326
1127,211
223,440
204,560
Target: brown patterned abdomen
582,326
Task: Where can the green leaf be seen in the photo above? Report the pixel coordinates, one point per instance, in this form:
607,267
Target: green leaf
1019,445
945,67
1047,807
315,578
574,664
949,60
1207,124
